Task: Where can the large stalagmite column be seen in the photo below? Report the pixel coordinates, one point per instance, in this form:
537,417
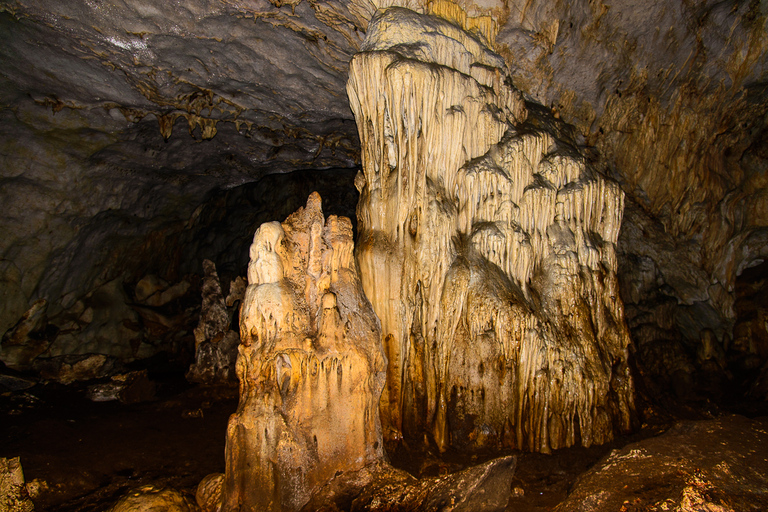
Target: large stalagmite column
310,365
486,247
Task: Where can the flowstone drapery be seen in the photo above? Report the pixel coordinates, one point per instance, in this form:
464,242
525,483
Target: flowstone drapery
487,248
310,365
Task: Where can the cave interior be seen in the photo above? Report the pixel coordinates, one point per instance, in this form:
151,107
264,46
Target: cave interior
554,273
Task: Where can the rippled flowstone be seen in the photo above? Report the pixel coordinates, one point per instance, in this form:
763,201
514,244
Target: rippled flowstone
310,365
487,248
715,465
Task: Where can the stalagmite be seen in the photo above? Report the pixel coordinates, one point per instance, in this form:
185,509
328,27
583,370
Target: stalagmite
215,343
487,248
310,365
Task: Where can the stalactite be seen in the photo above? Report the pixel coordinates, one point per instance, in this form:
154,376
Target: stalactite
486,244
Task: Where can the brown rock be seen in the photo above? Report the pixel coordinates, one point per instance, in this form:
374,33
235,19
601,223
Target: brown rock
152,499
380,487
215,343
715,465
13,492
26,340
208,495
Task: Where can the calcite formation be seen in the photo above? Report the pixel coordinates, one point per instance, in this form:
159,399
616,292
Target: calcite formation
13,491
310,365
215,343
487,248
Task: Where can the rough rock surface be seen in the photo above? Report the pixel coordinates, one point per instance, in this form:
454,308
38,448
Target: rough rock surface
715,465
152,499
128,388
487,248
26,340
310,365
215,343
13,492
380,487
208,494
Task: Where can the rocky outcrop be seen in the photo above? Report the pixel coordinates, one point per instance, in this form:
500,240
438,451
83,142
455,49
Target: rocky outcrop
487,248
382,488
150,498
26,340
310,366
715,465
215,343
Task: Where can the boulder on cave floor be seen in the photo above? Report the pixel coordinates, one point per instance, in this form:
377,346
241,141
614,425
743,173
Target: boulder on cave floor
383,488
154,499
718,465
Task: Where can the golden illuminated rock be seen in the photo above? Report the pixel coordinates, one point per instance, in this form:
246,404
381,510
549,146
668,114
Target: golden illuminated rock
487,248
150,499
13,491
310,365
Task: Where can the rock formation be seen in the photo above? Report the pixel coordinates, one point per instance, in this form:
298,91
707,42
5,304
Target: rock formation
714,465
26,340
310,365
487,248
671,95
150,498
215,343
13,491
382,488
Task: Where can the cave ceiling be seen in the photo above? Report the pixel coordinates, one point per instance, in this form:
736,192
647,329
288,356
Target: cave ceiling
117,119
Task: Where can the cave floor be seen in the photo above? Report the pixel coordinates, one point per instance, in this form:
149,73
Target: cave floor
81,455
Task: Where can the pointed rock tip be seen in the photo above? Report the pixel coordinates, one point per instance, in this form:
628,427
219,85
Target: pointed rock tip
315,202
